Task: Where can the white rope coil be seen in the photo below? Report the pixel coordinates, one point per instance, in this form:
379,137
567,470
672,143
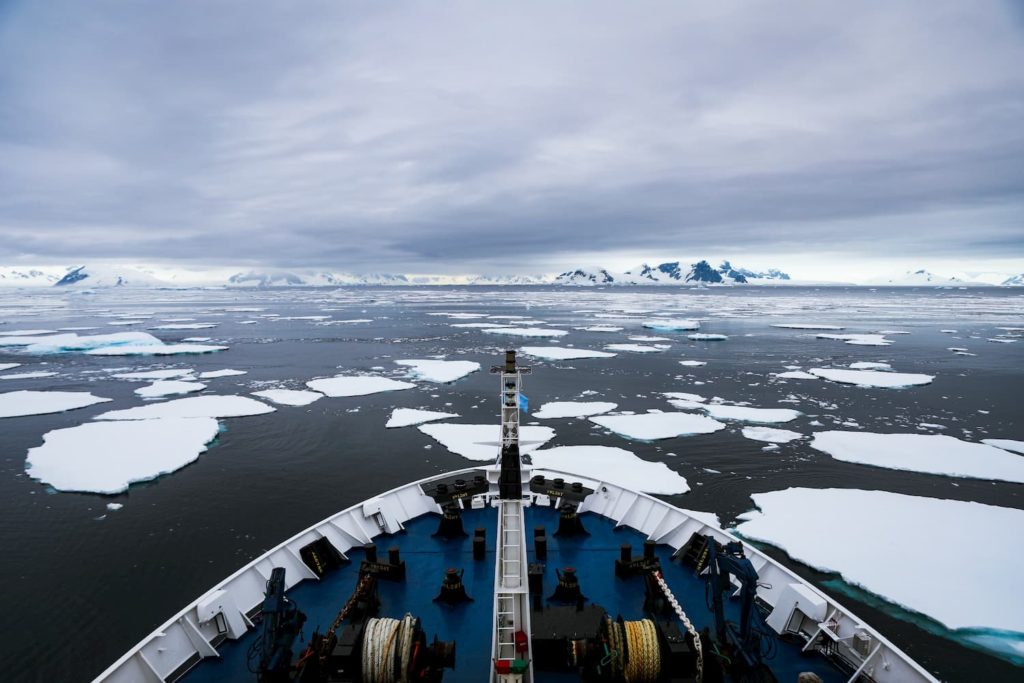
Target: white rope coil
387,644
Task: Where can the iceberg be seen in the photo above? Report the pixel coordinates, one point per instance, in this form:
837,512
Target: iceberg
107,457
928,453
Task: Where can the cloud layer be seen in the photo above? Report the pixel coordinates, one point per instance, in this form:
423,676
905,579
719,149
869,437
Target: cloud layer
431,137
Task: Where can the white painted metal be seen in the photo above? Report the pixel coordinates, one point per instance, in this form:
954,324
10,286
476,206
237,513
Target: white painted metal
169,647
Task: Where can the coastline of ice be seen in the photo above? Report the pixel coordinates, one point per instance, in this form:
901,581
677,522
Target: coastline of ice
873,378
356,385
613,465
107,457
483,441
557,409
923,541
654,426
409,417
439,371
22,403
927,453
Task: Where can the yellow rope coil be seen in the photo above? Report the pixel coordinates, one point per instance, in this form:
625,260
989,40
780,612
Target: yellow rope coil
644,665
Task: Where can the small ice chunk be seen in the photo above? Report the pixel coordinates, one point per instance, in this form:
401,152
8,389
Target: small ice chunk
28,375
194,406
20,403
560,353
929,453
483,442
114,507
475,325
169,373
600,328
672,324
922,537
859,339
795,374
185,326
692,363
106,457
634,348
356,385
573,409
439,371
648,338
289,397
867,365
221,373
873,378
807,326
771,435
700,336
1006,444
683,396
407,417
526,331
745,414
684,404
169,388
612,465
653,426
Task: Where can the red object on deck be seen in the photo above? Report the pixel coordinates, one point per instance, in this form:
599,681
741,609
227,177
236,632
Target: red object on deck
521,644
503,666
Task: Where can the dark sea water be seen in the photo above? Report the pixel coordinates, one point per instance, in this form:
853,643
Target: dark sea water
82,584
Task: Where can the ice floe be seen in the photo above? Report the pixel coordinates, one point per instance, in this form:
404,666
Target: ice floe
357,385
526,331
483,442
560,353
859,339
169,388
636,348
600,328
612,465
194,406
289,397
28,375
21,403
923,540
771,435
873,378
1006,444
653,426
155,350
929,453
24,333
227,372
868,365
106,457
169,373
439,371
8,366
683,396
692,363
558,409
672,324
475,325
648,338
60,343
700,336
184,326
795,374
745,414
407,417
807,326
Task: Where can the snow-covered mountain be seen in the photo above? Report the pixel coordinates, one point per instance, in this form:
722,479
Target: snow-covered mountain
29,277
107,276
587,276
923,278
1015,281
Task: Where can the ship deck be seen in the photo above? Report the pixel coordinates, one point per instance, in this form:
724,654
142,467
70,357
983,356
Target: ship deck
469,624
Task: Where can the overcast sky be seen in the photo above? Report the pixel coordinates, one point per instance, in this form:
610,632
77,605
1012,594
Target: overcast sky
434,137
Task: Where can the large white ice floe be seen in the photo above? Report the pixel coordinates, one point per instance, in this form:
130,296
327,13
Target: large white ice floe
289,397
701,336
557,409
356,385
1006,444
560,353
194,406
227,372
637,348
929,453
106,457
771,435
907,549
807,326
859,339
613,465
526,331
439,371
169,388
795,374
870,365
745,414
407,417
672,324
116,344
652,426
873,378
483,442
20,403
